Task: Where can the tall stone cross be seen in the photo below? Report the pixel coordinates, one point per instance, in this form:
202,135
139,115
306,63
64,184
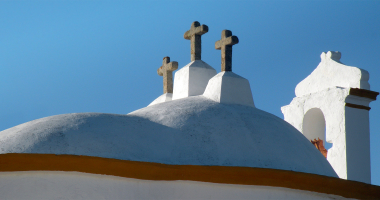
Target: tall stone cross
225,45
194,35
166,70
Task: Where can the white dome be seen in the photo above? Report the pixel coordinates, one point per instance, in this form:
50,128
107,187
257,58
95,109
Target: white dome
189,131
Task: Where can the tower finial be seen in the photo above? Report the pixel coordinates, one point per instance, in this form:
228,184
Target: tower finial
194,35
225,45
166,70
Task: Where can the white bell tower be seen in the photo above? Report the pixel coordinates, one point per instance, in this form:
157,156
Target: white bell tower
332,104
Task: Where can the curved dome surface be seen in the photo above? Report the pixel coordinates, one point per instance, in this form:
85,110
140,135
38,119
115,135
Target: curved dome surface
190,131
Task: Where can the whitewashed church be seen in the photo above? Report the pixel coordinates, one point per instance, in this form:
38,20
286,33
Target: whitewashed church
203,138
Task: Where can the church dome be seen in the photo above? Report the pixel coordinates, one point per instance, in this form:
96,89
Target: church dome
189,131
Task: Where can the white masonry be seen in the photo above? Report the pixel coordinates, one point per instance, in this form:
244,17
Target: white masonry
228,87
192,79
332,104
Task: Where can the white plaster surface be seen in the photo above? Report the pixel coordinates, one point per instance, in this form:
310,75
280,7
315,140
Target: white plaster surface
358,145
323,95
228,87
40,185
192,79
346,128
194,130
314,125
163,98
332,73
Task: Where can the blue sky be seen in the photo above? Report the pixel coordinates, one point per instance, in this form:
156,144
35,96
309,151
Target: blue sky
61,57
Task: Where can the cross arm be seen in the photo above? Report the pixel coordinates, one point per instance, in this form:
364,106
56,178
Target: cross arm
200,30
169,67
232,40
172,66
160,71
218,44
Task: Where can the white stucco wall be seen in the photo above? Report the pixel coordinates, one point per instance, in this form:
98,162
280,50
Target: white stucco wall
163,98
228,87
41,185
326,90
357,144
332,73
346,128
314,125
192,79
188,131
332,104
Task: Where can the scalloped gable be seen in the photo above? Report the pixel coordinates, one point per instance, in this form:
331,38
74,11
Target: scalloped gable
332,73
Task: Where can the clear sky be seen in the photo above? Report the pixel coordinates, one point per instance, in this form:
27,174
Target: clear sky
61,57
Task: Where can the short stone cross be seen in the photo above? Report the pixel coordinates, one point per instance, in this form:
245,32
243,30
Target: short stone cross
194,35
225,45
166,70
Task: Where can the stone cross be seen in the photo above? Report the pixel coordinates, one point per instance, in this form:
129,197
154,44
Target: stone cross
194,35
166,70
225,45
